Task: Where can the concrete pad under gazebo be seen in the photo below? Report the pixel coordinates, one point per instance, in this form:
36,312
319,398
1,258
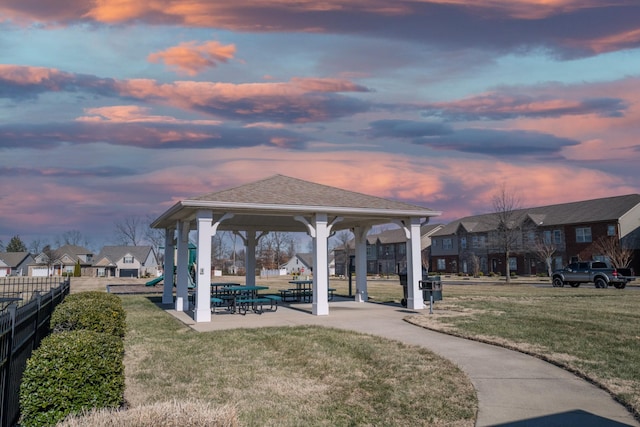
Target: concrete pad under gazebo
286,204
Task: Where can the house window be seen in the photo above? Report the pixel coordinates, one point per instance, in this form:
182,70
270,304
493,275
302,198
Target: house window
531,237
446,244
611,230
402,249
463,242
546,237
474,241
442,264
371,252
128,259
583,235
513,264
557,237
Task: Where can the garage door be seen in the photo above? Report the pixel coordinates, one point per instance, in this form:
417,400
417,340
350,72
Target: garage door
126,272
40,271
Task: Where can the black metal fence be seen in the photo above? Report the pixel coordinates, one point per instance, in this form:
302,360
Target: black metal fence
24,322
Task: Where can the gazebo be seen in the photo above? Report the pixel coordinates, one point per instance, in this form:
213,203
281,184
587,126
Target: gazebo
286,204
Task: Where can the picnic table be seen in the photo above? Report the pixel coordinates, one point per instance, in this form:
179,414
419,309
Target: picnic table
241,299
303,290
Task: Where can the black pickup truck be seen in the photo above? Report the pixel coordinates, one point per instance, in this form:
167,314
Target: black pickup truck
597,272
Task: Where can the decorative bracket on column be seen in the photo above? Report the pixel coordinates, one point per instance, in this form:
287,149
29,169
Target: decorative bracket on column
214,226
407,232
311,231
171,232
334,222
361,232
244,239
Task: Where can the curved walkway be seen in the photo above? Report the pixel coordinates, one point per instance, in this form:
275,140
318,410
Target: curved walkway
513,389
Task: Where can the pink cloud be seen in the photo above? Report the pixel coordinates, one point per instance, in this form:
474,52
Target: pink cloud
192,58
437,183
610,43
134,114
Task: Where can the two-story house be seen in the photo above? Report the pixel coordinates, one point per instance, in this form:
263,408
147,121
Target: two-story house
570,231
386,251
126,261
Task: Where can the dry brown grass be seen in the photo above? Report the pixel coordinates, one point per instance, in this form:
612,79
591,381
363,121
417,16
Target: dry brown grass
167,414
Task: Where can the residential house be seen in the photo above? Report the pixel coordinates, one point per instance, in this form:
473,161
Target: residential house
61,261
386,251
15,263
40,266
300,263
571,230
126,261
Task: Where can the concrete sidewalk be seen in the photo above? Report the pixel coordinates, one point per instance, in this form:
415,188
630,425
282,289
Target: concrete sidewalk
513,389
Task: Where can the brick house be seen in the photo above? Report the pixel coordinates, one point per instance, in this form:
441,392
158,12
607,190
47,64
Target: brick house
572,229
386,251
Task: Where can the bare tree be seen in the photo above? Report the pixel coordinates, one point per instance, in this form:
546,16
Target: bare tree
544,250
72,237
129,230
274,249
473,262
343,238
153,236
36,246
507,228
220,248
619,255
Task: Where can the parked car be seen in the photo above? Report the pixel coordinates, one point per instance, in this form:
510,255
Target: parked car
597,272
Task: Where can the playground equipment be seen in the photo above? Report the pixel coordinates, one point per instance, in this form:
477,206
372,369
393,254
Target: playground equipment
192,269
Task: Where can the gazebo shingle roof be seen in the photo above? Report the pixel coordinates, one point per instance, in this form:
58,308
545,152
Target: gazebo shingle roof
273,203
284,190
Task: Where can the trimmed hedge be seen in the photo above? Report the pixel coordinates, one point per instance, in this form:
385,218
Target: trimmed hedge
96,311
70,372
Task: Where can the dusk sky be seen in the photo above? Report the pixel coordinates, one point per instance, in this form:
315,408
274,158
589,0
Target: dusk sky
114,108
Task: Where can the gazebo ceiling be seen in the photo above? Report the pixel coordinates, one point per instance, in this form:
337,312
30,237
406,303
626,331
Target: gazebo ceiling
273,203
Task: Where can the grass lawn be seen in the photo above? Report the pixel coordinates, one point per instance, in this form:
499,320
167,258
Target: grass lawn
593,332
292,376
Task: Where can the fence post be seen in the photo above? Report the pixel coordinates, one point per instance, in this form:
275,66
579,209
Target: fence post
7,379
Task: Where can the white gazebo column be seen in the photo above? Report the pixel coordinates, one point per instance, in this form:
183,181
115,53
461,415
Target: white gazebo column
182,285
320,305
361,263
169,248
414,266
202,312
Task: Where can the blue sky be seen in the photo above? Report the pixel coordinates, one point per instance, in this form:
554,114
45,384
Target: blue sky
116,108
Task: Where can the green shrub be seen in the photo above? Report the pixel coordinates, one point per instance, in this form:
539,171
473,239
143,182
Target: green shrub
96,311
70,372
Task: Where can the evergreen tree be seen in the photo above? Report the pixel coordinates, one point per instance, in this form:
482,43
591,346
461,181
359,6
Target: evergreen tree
77,271
16,245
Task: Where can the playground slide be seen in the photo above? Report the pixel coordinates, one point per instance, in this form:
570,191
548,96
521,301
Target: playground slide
155,281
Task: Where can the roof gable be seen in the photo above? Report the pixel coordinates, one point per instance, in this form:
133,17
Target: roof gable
13,259
115,253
